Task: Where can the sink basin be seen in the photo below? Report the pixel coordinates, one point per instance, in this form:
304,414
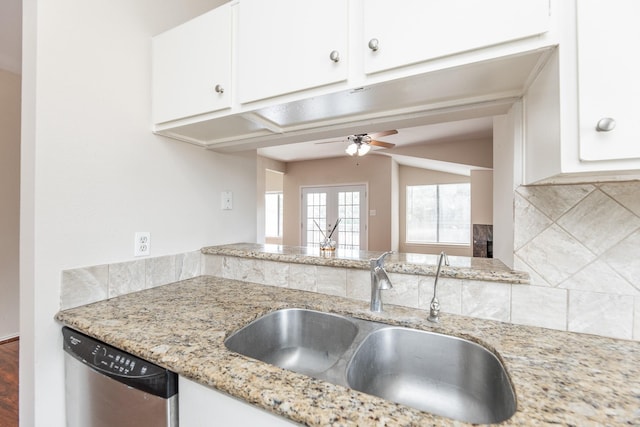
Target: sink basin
436,373
303,341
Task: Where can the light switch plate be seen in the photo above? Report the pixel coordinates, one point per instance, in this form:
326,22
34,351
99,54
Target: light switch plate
227,200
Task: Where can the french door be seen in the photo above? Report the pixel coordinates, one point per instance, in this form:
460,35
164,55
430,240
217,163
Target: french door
323,207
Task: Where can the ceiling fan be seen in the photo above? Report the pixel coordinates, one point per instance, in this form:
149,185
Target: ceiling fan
360,144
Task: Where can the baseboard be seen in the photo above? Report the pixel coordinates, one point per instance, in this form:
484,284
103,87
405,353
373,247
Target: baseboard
9,339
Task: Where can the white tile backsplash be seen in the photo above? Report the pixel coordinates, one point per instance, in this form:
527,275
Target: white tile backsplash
530,221
636,319
237,269
589,251
126,277
449,294
539,306
601,314
331,281
599,277
212,265
276,273
160,271
359,284
188,265
303,277
555,200
405,290
599,222
555,255
625,193
85,285
624,258
486,300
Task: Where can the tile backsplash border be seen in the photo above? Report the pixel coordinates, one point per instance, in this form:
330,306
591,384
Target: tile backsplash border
86,285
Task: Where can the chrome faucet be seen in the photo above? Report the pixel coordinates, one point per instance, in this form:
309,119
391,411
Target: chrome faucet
434,307
379,281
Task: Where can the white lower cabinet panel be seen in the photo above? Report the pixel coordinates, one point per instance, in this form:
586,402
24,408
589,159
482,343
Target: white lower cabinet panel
202,406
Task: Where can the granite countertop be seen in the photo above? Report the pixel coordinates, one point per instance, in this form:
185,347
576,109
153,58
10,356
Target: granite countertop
560,378
423,264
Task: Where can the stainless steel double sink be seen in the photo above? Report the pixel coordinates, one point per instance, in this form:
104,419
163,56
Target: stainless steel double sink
436,373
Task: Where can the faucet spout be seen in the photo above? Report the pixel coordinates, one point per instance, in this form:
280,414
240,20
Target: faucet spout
434,307
379,281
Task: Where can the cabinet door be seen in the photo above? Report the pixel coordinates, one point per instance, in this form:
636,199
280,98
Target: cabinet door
285,46
201,406
191,67
412,31
609,78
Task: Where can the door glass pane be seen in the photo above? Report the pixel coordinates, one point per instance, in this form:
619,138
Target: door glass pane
349,228
316,216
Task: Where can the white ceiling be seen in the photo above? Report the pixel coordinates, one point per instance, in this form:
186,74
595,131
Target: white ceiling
11,35
475,128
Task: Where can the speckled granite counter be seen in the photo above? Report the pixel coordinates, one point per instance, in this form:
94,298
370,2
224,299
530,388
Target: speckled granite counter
560,378
422,264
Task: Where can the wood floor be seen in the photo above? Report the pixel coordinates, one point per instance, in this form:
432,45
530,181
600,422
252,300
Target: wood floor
9,383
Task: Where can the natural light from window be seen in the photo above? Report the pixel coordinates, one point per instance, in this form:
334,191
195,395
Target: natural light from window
273,214
439,214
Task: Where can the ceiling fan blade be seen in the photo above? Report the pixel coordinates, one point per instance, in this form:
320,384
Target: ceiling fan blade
381,144
383,133
330,142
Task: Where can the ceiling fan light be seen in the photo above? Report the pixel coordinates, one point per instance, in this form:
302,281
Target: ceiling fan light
352,149
363,149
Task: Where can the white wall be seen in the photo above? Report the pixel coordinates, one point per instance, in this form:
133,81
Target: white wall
93,174
9,202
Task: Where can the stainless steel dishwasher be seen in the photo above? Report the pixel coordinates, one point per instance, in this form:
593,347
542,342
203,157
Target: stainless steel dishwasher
107,387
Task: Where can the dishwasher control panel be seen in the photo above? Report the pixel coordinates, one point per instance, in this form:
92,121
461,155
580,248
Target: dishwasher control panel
118,362
108,359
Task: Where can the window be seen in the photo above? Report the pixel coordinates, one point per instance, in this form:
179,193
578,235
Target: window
273,214
439,213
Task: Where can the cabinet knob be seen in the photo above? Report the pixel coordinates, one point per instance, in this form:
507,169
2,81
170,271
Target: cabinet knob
373,44
219,89
334,56
606,124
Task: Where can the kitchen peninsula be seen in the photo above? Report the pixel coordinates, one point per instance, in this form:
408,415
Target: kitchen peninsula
559,377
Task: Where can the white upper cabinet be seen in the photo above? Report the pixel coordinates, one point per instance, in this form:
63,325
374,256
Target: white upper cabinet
191,67
403,32
592,76
286,46
609,78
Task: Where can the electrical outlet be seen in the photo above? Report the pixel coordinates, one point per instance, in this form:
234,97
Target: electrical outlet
142,244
